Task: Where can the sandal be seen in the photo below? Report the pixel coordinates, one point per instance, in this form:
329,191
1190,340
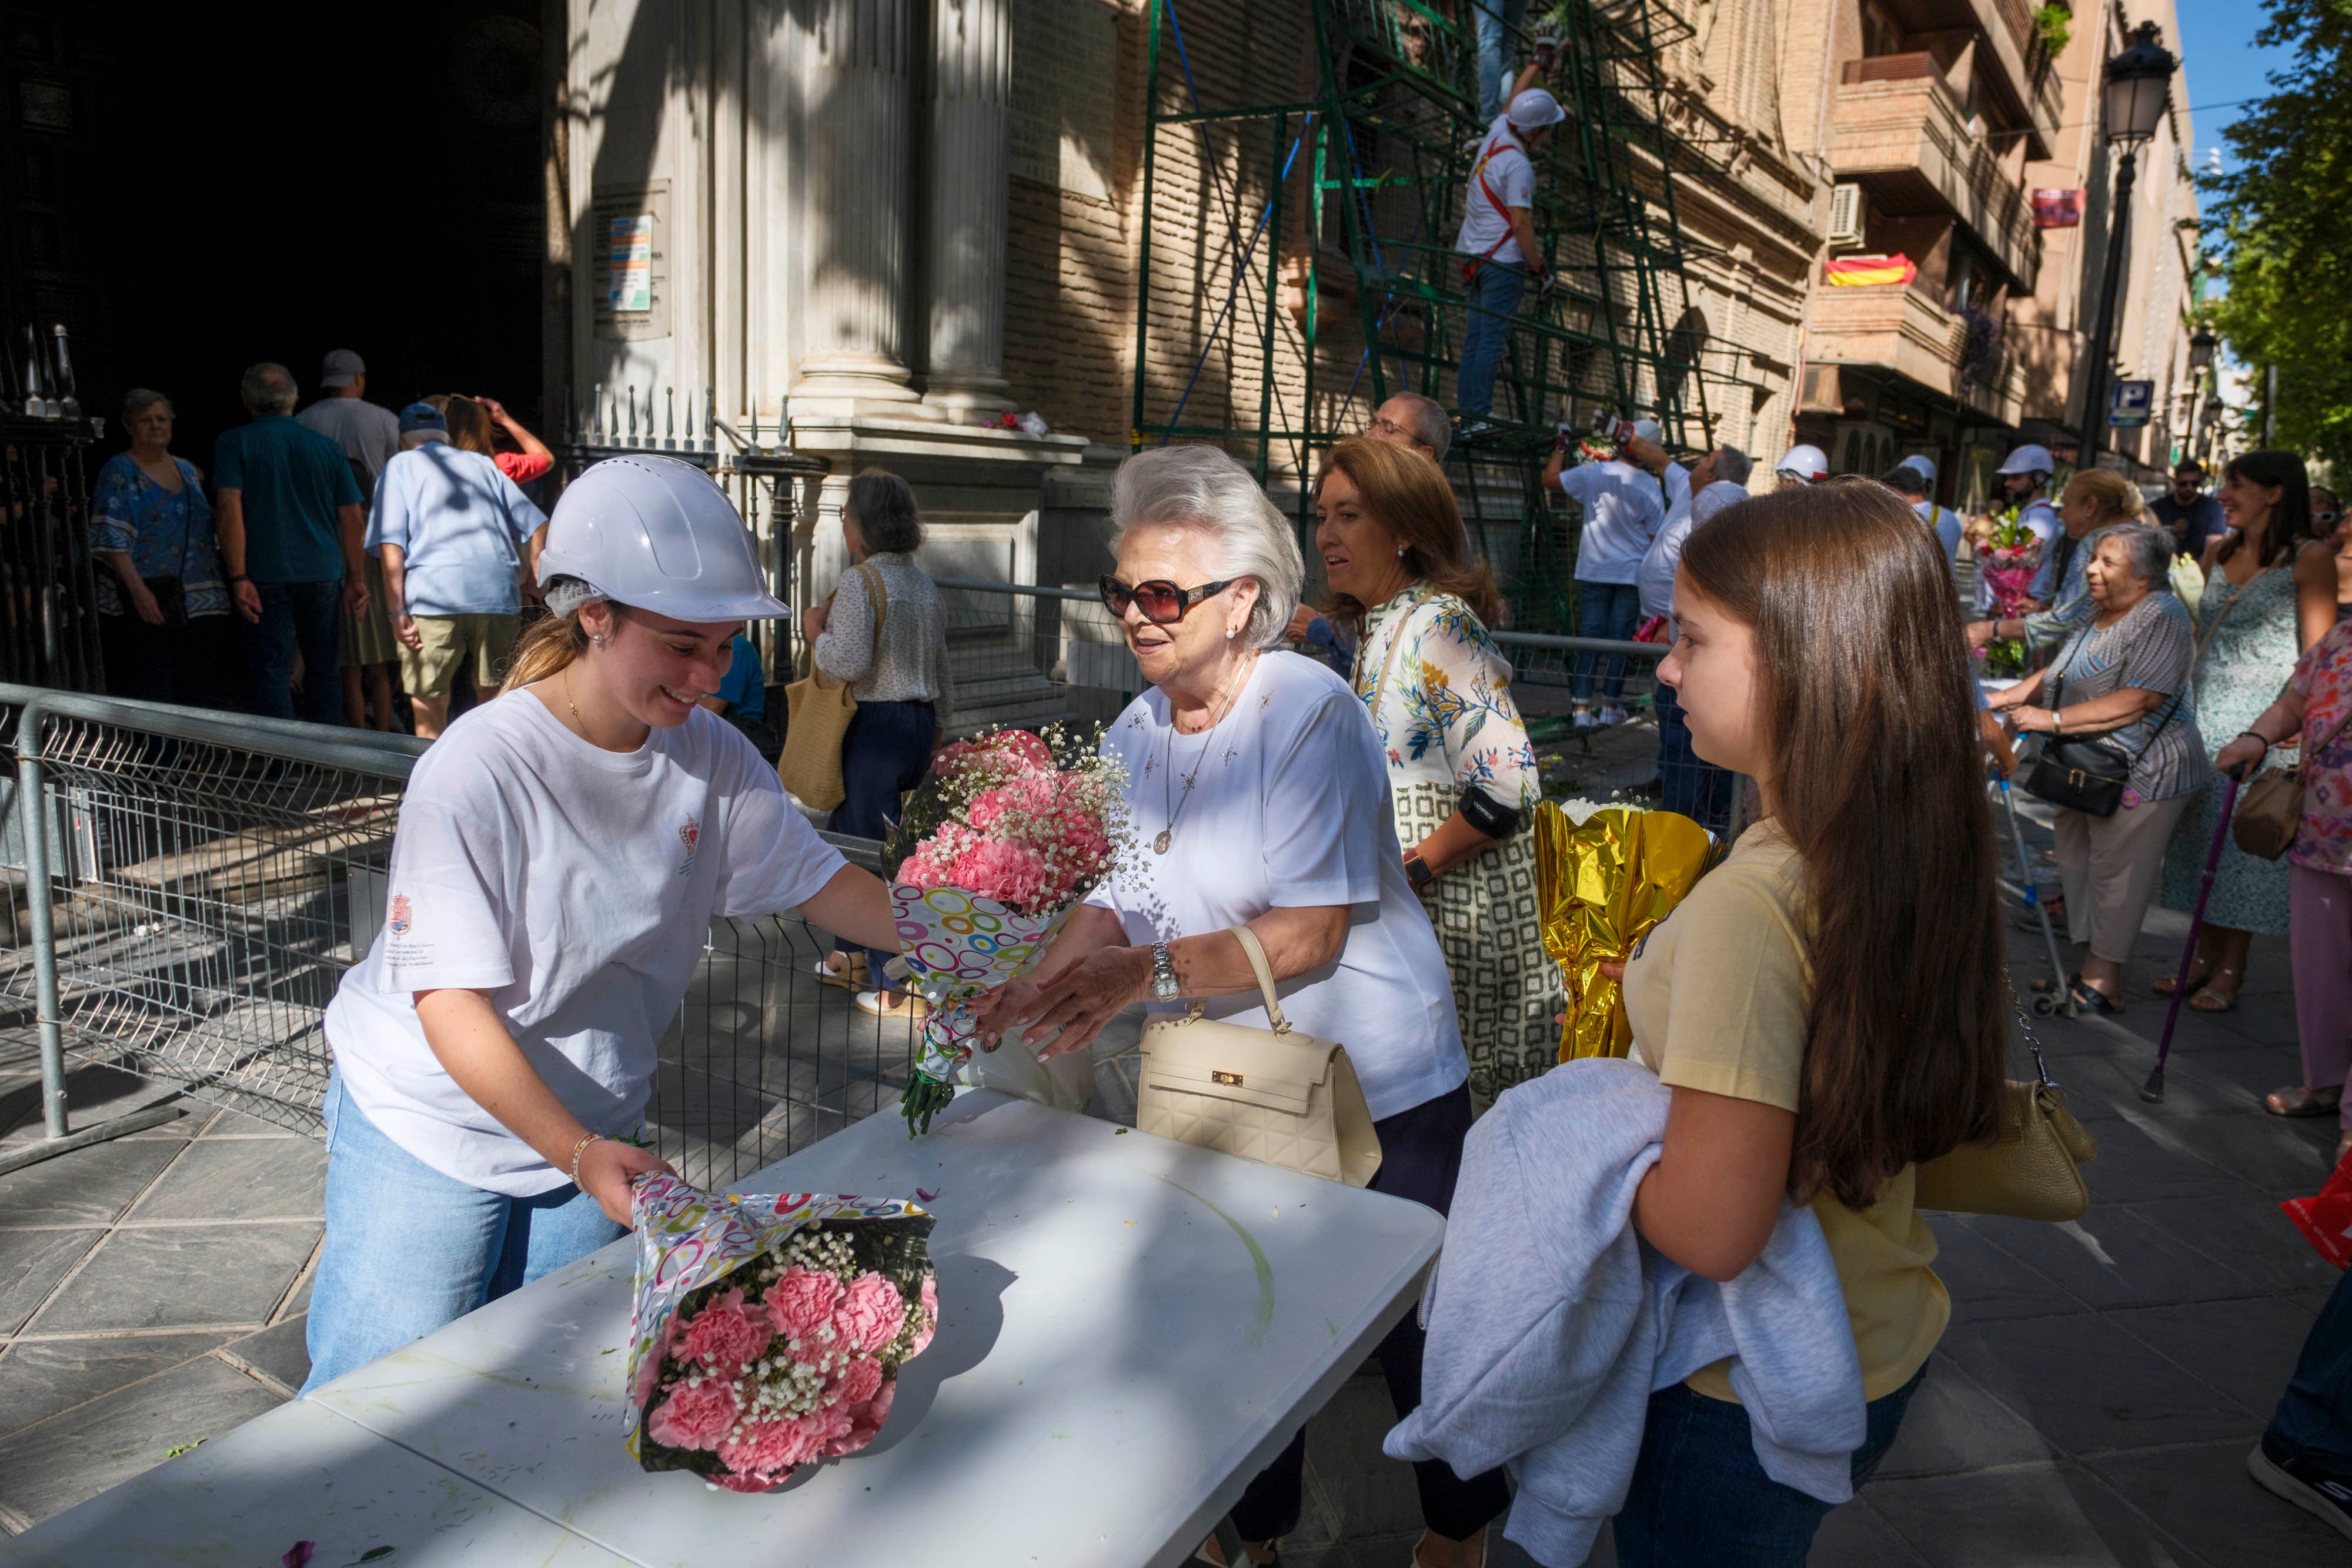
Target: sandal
850,976
2089,998
2164,984
2301,1099
2208,1000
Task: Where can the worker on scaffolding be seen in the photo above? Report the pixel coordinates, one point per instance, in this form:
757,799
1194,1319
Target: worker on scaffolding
1497,239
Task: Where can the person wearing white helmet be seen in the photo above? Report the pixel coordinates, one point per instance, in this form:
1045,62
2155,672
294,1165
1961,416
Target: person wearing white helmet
1914,480
562,852
1803,465
2024,483
1499,244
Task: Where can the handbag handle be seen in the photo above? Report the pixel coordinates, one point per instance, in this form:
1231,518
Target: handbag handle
1255,951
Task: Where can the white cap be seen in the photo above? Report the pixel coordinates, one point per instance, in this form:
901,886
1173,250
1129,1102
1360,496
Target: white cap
1649,430
1919,462
655,533
2029,459
1535,108
1806,463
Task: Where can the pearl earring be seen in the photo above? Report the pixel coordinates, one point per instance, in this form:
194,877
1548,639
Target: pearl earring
1229,633
597,638
1401,552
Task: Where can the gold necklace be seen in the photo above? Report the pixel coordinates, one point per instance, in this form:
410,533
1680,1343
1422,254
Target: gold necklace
576,723
1168,772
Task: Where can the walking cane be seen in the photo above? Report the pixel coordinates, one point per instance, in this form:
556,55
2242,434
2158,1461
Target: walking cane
2062,995
2153,1090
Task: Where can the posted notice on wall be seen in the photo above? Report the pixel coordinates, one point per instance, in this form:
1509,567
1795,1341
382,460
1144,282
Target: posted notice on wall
631,263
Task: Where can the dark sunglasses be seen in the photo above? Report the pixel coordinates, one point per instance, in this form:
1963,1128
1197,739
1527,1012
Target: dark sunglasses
1162,602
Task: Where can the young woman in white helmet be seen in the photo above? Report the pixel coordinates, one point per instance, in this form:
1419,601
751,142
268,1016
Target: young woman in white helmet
561,852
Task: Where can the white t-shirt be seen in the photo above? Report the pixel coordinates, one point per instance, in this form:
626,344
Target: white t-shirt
1291,810
1504,158
1623,510
576,887
1683,513
460,525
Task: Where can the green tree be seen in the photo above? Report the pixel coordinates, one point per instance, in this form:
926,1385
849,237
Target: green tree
2284,228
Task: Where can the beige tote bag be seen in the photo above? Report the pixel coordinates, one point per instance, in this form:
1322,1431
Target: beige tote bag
1275,1095
817,716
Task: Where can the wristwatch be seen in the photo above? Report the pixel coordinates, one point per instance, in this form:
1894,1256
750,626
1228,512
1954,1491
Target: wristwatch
1416,869
1164,974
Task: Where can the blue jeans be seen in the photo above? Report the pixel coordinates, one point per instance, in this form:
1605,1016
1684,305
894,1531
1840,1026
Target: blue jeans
305,615
1610,610
1495,20
1700,1497
1700,790
2313,1421
884,753
409,1250
1491,297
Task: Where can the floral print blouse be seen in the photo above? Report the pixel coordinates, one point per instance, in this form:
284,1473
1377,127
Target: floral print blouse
165,535
2323,676
1442,704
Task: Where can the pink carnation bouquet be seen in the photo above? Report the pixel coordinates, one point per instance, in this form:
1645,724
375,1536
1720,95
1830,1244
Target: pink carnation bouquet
2009,561
767,1332
1009,834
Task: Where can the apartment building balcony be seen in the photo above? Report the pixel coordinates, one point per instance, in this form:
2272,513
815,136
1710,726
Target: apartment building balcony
2011,62
1902,329
1899,132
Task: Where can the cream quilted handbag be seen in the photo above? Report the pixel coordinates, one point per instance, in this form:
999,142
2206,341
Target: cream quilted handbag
1273,1095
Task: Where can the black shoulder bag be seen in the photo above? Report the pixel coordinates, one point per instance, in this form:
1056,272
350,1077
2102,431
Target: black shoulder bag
2087,773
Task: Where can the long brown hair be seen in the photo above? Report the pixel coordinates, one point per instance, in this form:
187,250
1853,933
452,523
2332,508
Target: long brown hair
1863,676
1409,495
470,427
2289,528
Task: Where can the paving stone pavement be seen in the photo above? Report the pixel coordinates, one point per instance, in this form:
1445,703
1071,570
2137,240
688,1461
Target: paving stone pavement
2092,1405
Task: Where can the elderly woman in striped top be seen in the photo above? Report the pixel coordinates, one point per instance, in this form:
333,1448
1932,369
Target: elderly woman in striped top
1462,775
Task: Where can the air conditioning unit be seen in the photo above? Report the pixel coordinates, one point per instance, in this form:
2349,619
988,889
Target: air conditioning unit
1847,217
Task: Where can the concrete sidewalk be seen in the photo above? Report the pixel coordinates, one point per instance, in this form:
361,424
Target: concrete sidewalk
2092,1404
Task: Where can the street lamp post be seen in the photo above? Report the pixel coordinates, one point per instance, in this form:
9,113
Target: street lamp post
2137,87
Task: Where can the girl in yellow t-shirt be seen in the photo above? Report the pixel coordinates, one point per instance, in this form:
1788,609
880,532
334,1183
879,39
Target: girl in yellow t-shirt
1827,1004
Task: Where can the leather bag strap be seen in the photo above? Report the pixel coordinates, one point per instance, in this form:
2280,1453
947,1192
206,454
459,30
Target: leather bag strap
1256,952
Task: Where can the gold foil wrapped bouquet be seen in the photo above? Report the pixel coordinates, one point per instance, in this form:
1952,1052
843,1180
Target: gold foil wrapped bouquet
1604,876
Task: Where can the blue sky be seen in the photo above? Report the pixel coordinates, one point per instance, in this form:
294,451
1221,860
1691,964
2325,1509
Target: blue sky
2220,64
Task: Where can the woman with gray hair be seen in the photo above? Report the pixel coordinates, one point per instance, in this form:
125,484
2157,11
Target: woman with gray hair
1260,797
161,604
2122,678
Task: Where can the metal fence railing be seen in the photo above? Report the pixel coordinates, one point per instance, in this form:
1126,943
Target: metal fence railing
189,887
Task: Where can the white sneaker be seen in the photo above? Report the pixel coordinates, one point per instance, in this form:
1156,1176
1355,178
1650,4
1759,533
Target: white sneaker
1583,719
1611,716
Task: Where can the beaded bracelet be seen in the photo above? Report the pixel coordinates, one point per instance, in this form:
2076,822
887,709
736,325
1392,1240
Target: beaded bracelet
580,1149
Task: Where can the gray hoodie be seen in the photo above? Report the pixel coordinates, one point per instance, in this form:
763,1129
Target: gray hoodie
1551,1321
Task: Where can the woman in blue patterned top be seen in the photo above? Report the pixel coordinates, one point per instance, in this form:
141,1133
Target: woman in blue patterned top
161,604
1462,778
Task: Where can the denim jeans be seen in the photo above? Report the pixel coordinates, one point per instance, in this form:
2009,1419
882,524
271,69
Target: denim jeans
1610,610
1700,790
1492,296
307,615
886,753
1495,53
409,1250
2313,1421
1700,1497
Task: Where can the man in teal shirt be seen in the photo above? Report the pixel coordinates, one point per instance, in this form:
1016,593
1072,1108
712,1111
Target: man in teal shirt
289,521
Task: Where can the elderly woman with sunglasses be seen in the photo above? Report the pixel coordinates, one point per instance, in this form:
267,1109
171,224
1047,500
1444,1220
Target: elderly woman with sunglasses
1259,797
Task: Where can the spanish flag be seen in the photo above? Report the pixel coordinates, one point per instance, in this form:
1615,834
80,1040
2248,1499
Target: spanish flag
1851,271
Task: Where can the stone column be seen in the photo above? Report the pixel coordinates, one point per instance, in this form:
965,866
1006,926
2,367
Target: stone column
854,59
971,75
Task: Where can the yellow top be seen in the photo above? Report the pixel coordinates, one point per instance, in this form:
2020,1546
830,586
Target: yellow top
1732,1021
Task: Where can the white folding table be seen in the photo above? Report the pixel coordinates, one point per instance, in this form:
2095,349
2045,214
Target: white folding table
1129,1329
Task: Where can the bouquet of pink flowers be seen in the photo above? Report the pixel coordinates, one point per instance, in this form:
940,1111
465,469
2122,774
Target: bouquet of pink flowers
2009,563
995,850
768,1332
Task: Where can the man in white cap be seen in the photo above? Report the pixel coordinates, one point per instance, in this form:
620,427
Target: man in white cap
369,435
1499,242
1623,510
2024,479
1803,465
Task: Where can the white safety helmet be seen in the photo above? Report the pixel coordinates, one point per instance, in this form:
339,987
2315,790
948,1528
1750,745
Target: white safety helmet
1649,431
1535,108
1805,463
2029,459
656,534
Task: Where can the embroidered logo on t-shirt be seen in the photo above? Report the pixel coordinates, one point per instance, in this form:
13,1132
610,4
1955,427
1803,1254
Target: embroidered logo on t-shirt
690,836
400,915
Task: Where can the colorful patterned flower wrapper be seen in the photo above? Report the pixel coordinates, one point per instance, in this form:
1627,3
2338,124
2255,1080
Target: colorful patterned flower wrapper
1602,884
767,1331
957,946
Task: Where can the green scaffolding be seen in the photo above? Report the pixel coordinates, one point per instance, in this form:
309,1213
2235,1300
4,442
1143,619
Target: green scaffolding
1387,138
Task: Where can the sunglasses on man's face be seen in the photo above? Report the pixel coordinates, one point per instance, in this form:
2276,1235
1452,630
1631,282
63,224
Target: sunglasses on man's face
1162,602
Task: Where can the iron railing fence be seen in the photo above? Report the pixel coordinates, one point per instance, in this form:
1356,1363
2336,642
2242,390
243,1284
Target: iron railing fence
189,888
49,593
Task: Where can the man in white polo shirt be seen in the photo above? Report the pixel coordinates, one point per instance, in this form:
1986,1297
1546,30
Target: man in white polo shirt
1623,509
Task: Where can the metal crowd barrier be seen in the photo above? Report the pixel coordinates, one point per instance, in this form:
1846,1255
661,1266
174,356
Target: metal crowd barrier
189,886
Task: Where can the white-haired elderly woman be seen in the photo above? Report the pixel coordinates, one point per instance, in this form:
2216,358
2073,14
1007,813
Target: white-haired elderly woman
2121,678
1260,797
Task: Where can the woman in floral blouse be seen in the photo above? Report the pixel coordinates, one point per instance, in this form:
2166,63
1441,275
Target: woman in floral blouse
160,601
1462,778
2312,711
